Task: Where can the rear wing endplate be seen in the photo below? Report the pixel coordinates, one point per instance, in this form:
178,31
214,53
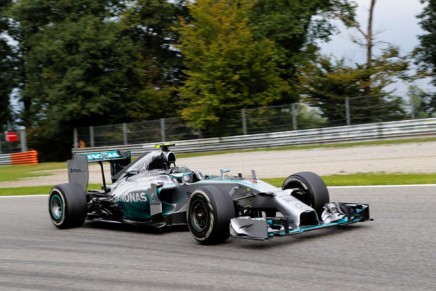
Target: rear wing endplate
78,167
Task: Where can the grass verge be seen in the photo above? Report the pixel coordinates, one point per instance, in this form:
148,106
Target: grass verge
33,190
370,179
360,179
14,173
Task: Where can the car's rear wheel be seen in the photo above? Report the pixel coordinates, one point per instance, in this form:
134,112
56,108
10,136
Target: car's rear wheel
67,205
310,189
209,214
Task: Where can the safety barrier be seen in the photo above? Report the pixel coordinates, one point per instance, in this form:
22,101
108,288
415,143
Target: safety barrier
373,131
23,158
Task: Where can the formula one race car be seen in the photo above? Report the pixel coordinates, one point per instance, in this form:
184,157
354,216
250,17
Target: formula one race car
153,190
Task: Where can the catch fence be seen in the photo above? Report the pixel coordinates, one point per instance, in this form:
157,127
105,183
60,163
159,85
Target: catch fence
291,117
373,131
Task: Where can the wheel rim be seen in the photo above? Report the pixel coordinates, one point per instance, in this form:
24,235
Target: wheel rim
199,216
56,207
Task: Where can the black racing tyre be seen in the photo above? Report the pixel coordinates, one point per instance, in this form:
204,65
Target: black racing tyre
312,189
67,205
209,214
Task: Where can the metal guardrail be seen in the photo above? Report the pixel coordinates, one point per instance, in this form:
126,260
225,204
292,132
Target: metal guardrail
364,132
5,159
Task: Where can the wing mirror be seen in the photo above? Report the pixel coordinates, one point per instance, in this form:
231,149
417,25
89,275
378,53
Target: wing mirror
224,171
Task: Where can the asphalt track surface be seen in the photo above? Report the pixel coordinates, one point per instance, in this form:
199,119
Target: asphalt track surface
396,251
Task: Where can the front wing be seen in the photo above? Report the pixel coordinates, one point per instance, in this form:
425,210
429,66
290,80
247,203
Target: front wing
269,227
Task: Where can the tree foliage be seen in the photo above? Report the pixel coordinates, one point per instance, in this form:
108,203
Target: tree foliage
296,27
227,68
360,90
92,62
74,59
7,66
150,24
328,83
423,104
425,54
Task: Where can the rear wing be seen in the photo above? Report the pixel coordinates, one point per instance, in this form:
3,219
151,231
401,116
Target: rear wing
78,167
104,156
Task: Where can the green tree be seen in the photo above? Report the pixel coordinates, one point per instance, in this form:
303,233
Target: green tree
296,27
7,66
94,62
227,67
309,117
425,53
422,104
150,24
328,84
79,68
362,88
367,42
74,58
37,25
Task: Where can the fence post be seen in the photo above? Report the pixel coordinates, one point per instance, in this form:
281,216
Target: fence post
23,140
412,107
162,129
347,110
125,141
294,114
75,138
91,136
244,122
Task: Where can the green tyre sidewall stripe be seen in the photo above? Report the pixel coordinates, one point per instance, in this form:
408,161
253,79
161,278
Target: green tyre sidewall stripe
56,196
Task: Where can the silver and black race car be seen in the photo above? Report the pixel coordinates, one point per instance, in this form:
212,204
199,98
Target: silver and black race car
153,190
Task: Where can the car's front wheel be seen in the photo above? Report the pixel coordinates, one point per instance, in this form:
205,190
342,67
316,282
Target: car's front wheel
309,189
209,214
67,205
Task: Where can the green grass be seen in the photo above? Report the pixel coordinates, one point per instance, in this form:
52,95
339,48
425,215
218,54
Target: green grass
14,173
368,179
360,179
34,190
380,179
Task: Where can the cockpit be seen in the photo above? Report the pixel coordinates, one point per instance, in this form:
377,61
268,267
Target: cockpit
155,160
162,162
